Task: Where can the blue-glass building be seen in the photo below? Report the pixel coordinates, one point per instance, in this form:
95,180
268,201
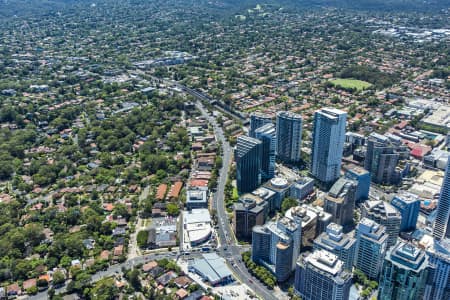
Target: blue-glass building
248,163
362,177
409,206
266,134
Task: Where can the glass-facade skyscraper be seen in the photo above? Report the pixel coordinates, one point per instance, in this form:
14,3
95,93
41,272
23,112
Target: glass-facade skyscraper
328,144
266,134
441,223
438,283
257,120
409,206
289,137
248,163
404,273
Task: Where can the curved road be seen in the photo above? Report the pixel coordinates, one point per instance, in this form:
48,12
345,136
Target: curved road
229,249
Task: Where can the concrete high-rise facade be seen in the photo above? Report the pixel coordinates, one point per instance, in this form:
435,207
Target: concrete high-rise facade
441,223
289,137
404,273
266,134
337,242
438,283
409,206
340,202
313,221
384,214
322,276
247,214
328,144
257,120
381,159
371,244
276,245
247,155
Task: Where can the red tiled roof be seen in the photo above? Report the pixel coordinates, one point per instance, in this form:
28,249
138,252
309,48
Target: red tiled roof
198,183
29,283
175,189
161,192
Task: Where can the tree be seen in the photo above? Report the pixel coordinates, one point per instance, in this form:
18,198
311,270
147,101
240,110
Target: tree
32,290
104,289
172,209
133,277
288,203
142,238
58,278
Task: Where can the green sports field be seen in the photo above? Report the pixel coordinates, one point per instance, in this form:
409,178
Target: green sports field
350,83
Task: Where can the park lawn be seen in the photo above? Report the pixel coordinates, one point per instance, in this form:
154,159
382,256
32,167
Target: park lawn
351,83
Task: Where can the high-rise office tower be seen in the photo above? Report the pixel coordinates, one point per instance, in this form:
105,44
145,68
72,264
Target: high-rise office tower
362,177
289,137
248,163
276,245
328,144
341,244
266,134
340,202
404,273
441,223
384,214
381,159
438,283
321,276
371,242
257,120
409,206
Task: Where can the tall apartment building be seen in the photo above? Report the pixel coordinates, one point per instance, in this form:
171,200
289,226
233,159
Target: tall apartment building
276,245
371,244
322,276
247,214
438,283
384,214
266,134
257,120
409,206
441,223
248,163
337,242
328,144
381,159
404,273
289,136
340,202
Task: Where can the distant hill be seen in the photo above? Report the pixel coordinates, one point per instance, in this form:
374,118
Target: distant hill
10,8
381,5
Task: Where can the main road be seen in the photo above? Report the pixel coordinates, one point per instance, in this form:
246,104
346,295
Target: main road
229,249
